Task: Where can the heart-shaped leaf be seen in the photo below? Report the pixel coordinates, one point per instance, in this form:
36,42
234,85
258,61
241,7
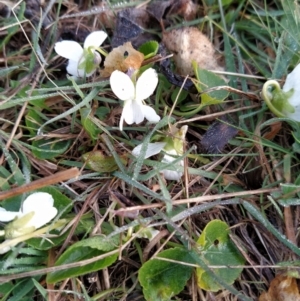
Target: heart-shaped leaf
97,161
160,279
85,249
219,250
209,80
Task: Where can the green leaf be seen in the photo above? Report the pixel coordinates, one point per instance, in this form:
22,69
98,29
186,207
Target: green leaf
6,288
161,280
175,96
12,30
218,249
96,161
43,292
82,250
149,49
88,124
207,80
22,289
102,112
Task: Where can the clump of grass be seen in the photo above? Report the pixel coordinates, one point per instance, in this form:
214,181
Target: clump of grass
42,131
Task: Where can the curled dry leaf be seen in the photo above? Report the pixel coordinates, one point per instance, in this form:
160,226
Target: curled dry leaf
282,288
122,58
188,45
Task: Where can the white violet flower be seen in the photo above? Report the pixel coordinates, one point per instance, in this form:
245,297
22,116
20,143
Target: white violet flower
285,102
135,110
292,83
36,211
173,147
82,61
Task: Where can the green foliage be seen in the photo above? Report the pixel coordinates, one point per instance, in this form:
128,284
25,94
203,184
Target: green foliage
14,27
160,279
96,161
217,248
87,123
149,49
30,260
43,148
22,290
207,80
57,238
40,106
83,250
288,38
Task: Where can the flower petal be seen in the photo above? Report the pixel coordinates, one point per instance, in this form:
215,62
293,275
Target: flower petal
42,218
72,69
122,85
41,203
172,175
293,82
7,216
296,115
69,49
133,112
152,149
137,113
37,201
95,39
150,114
146,84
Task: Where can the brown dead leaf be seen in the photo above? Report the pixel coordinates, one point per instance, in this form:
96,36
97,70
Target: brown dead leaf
106,16
185,8
232,179
282,288
189,44
163,9
274,129
122,58
217,136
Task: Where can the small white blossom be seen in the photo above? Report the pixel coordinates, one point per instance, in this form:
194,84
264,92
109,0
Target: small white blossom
173,147
82,61
36,211
135,110
172,174
293,83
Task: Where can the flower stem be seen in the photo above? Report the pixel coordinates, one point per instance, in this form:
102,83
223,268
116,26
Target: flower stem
267,96
12,242
102,51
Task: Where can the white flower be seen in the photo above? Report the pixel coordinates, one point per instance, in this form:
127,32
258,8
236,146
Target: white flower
36,211
293,83
135,110
82,61
172,174
285,102
172,147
